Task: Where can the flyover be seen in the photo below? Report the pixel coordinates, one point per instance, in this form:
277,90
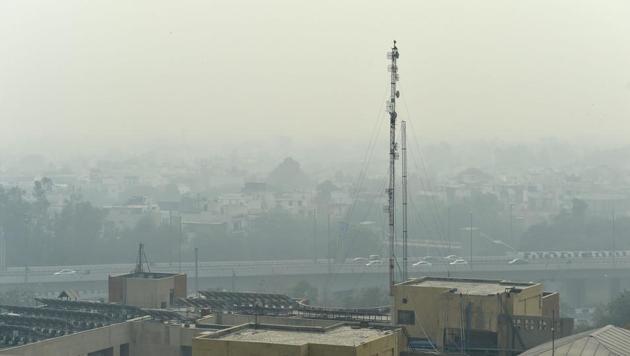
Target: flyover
586,281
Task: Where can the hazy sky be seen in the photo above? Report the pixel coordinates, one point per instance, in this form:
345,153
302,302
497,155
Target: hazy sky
110,72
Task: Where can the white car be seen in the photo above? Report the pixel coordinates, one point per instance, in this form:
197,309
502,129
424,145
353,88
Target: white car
518,261
359,260
433,259
459,261
422,263
451,257
65,271
375,262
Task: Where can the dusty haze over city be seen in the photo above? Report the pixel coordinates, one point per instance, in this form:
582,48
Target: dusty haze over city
126,75
221,148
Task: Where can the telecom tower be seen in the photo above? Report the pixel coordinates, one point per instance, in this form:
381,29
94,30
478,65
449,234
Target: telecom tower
393,156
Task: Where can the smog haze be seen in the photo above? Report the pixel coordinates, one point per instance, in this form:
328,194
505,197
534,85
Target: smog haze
102,74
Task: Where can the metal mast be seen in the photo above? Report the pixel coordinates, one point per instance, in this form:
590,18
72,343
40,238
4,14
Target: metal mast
403,148
393,155
142,259
196,271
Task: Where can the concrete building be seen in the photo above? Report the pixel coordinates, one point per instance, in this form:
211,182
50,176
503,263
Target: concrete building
271,340
127,216
147,289
470,315
138,337
81,328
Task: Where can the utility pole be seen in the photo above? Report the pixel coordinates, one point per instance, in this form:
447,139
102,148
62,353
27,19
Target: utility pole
393,155
614,247
511,230
553,333
403,142
328,253
471,240
314,235
179,268
448,228
196,271
170,240
3,251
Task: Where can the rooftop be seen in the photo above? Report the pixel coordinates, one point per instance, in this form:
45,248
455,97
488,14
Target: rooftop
147,275
609,340
343,335
469,286
21,325
255,302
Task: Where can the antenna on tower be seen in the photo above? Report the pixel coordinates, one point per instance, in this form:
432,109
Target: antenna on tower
403,148
393,155
142,260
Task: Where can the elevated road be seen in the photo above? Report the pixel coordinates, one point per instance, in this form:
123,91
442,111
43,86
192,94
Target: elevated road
481,267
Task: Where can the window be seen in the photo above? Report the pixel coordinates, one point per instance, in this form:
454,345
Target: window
124,350
104,352
406,317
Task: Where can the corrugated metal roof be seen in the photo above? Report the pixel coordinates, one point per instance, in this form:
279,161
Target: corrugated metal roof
607,341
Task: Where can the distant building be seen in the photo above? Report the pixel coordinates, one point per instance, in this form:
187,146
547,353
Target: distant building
127,216
294,203
476,316
147,289
286,340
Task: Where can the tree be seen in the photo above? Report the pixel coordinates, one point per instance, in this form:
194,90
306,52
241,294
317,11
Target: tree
77,232
303,289
579,208
288,176
363,298
617,312
15,222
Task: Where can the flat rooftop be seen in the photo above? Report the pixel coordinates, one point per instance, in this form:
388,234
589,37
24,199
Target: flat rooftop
147,275
342,336
469,286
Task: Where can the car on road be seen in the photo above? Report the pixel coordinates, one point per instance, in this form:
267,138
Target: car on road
433,259
359,260
451,257
422,263
459,261
374,257
374,262
518,261
65,271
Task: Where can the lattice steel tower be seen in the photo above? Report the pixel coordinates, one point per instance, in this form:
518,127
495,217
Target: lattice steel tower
393,156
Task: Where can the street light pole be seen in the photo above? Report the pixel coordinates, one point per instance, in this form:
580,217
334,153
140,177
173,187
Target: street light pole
614,247
511,230
471,240
448,229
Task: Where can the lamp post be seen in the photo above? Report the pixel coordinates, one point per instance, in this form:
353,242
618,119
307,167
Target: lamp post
470,229
511,227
